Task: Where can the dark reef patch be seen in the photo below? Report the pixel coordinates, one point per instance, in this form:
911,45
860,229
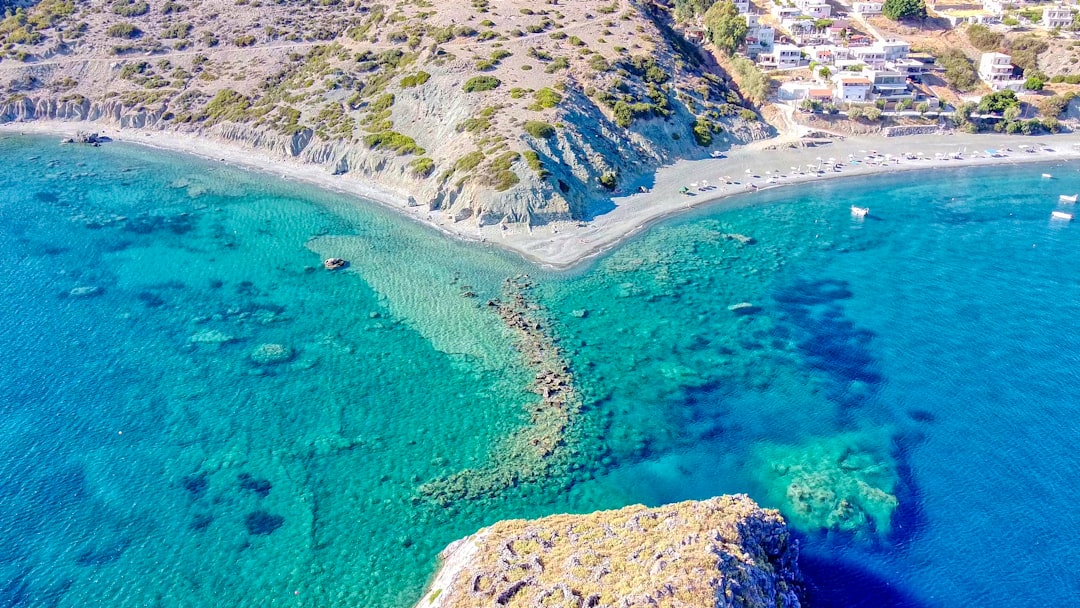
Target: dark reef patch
201,522
195,485
262,523
259,486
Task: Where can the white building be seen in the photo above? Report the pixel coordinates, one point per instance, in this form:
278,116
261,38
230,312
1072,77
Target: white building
910,68
872,56
783,57
852,88
889,84
867,8
742,5
759,37
784,12
994,7
895,49
1057,17
996,70
814,8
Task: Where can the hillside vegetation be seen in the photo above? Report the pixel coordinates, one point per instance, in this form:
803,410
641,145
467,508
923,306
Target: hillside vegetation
513,110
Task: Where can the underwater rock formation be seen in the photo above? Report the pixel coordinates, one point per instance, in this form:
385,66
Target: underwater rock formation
840,484
721,552
272,354
535,450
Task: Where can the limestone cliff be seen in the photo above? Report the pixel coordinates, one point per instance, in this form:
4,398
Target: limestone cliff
721,552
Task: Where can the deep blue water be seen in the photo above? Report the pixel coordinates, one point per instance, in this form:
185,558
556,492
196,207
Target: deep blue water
903,387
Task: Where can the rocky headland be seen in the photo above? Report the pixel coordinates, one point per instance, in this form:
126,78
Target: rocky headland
725,551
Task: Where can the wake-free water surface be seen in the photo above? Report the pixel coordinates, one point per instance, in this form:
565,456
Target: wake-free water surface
194,413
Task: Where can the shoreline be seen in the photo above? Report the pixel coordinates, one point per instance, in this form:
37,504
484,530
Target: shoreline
763,165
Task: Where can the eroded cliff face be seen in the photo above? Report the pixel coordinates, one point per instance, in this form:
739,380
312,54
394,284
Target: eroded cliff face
488,112
725,551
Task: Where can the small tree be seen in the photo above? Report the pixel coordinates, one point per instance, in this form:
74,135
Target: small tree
727,28
904,9
824,73
807,105
1012,112
998,101
855,112
873,114
923,108
1033,84
903,104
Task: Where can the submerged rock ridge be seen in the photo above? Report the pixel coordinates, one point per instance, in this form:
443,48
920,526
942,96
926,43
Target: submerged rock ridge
538,448
725,551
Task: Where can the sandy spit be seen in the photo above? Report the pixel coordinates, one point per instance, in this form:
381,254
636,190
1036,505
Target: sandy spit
753,168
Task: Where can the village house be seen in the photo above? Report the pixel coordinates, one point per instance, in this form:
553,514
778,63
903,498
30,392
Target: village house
760,38
996,70
872,56
889,85
814,8
852,88
894,49
996,8
783,57
1057,17
867,8
743,6
784,13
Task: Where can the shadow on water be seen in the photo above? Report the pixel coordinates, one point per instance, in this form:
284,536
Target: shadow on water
812,315
908,519
842,584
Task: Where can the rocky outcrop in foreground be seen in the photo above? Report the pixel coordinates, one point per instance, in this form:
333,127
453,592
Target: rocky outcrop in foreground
725,551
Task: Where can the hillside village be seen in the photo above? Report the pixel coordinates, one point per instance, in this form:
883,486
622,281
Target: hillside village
844,59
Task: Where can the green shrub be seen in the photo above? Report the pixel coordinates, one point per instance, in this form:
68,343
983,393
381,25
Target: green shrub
598,63
394,142
983,38
560,63
545,98
959,71
502,177
539,129
227,105
382,103
609,180
479,84
123,30
245,40
177,30
130,8
534,162
702,132
414,80
422,167
469,162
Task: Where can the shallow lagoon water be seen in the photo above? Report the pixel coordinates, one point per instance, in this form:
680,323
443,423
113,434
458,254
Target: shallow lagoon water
903,387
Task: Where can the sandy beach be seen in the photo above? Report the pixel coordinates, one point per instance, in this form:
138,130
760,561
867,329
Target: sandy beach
763,165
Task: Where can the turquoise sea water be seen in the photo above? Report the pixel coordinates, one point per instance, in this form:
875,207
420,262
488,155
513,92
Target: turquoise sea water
902,387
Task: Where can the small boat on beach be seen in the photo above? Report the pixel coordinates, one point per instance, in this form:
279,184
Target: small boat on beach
334,263
859,211
1061,215
1065,198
